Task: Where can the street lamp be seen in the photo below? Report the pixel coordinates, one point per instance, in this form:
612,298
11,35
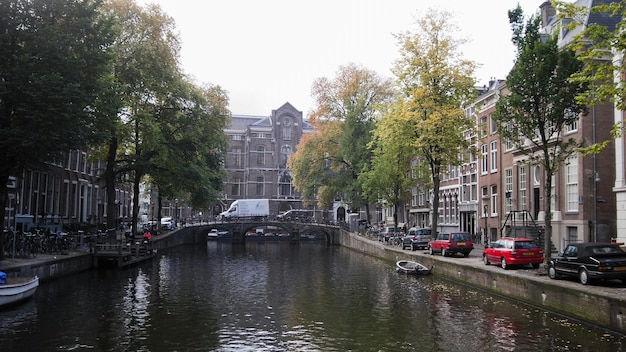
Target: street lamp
485,216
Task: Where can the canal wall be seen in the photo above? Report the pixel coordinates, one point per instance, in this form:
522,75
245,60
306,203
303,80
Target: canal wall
48,267
603,306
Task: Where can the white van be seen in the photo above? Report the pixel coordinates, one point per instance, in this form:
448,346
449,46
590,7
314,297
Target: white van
167,223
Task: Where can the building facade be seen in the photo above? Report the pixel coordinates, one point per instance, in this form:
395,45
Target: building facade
63,195
256,162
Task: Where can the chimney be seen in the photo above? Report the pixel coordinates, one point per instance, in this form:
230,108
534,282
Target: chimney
547,12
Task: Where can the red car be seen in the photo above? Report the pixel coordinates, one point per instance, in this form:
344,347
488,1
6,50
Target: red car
450,243
510,251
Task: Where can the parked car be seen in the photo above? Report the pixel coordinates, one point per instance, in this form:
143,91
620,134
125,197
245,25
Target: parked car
213,233
416,239
385,234
589,261
168,223
510,251
451,243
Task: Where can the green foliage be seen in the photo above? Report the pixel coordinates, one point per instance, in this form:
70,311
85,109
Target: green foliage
326,165
436,81
53,63
52,71
541,103
165,126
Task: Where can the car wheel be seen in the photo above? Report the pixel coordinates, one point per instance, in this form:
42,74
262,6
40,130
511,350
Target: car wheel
552,272
485,260
465,255
504,264
444,253
413,248
583,276
430,250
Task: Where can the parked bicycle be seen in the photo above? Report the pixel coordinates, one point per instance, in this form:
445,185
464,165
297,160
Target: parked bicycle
395,239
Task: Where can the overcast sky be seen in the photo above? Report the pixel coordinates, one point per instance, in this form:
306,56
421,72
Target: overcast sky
265,53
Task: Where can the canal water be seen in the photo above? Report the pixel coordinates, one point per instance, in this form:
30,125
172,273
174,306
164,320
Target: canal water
275,296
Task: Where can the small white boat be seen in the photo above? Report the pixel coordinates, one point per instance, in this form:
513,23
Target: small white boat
17,289
411,267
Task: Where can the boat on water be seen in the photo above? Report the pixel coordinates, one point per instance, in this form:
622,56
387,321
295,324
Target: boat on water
411,267
17,289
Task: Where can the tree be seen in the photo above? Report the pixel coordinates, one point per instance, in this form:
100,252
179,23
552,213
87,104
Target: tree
312,164
436,82
600,46
191,166
54,61
346,111
166,127
542,101
389,177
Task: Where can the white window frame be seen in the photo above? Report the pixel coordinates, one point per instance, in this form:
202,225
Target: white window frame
485,159
523,186
571,183
494,200
508,189
493,154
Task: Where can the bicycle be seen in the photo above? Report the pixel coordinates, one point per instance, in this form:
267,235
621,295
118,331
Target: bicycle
395,240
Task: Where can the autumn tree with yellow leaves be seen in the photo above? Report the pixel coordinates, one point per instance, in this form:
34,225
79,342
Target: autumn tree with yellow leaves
428,121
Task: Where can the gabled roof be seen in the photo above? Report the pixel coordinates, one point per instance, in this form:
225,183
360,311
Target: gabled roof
593,18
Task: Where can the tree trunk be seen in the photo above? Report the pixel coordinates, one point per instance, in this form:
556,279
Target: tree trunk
109,179
547,244
136,181
435,204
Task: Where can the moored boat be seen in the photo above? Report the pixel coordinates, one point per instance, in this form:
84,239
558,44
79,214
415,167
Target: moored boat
412,267
17,289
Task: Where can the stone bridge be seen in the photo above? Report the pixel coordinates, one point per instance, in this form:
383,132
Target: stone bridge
238,229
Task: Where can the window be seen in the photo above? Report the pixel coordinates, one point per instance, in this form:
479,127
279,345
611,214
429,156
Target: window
474,188
285,186
494,125
236,187
572,122
571,183
483,126
286,129
522,187
494,200
484,160
508,189
572,234
260,155
260,186
286,151
238,157
494,156
484,192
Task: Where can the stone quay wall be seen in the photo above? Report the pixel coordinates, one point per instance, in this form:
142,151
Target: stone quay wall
603,306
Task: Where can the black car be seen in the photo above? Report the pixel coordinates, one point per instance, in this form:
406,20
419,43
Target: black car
589,261
416,238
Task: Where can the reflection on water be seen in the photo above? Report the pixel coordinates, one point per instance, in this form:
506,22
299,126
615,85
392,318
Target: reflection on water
280,297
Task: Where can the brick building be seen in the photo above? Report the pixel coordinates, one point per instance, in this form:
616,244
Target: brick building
256,162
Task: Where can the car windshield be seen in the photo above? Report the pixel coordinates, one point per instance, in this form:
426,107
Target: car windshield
525,245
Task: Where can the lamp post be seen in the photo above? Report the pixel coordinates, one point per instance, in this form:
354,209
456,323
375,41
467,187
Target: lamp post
176,212
485,216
